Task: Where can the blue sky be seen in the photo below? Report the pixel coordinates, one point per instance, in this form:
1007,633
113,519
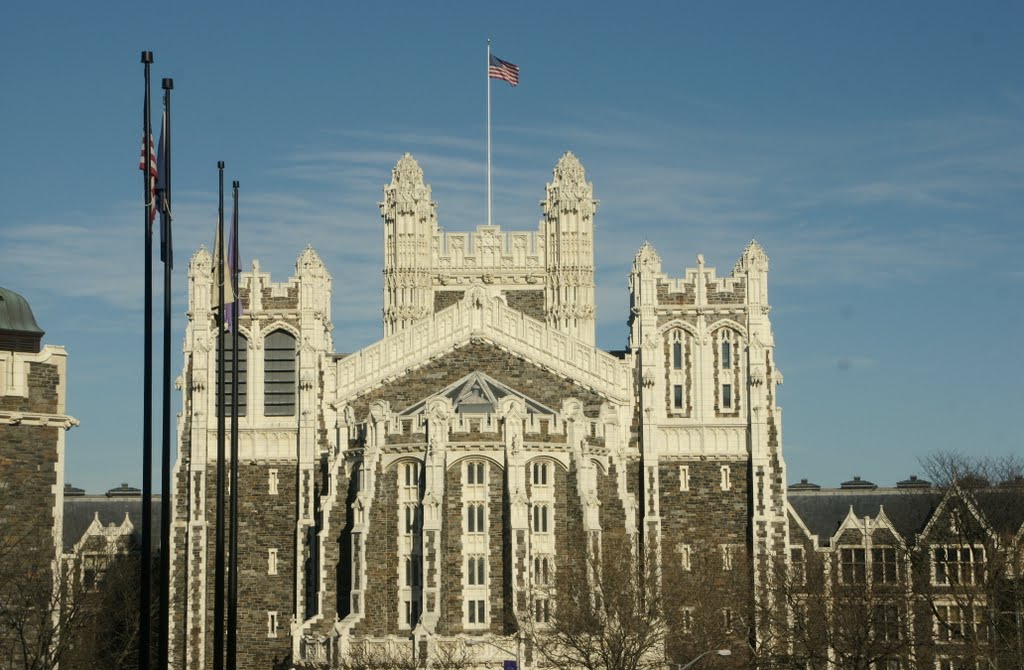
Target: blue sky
875,150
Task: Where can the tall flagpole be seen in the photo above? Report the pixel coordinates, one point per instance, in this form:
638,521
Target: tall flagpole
218,581
147,389
233,542
165,463
487,73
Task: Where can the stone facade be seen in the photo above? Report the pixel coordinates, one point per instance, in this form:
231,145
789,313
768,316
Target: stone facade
422,481
33,423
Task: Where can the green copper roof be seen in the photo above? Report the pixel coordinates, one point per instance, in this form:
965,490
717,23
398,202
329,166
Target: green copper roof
16,315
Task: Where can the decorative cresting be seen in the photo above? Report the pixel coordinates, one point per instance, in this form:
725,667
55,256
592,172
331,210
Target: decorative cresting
568,232
410,226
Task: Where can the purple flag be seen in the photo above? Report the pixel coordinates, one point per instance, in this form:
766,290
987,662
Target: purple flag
231,318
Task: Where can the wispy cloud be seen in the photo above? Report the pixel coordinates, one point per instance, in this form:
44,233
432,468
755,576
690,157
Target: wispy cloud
860,205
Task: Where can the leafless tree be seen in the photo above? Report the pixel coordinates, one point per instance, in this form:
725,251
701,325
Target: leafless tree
969,571
38,622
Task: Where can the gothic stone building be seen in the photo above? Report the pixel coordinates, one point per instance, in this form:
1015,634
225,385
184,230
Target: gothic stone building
417,489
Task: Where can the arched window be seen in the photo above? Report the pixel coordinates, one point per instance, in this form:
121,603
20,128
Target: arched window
279,374
540,473
728,369
243,350
677,382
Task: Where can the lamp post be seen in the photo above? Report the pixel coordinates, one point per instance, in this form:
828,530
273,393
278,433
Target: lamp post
720,652
477,642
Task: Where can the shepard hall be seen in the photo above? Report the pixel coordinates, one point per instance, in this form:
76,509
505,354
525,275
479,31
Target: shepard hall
419,490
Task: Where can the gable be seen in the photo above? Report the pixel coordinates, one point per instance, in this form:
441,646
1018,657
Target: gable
478,393
499,370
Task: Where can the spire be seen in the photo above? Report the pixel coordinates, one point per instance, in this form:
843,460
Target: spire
646,259
753,258
569,190
407,172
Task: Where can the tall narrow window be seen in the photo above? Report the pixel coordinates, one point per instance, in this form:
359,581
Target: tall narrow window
540,473
475,473
475,568
243,351
412,474
271,561
475,519
726,396
271,624
726,482
684,477
279,374
726,354
677,381
540,518
272,481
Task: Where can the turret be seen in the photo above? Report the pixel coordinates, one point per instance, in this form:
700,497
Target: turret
410,226
568,232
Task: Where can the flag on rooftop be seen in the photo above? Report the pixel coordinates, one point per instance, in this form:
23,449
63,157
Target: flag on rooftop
502,69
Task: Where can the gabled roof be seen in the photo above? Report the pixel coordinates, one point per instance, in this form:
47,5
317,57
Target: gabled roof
478,393
80,511
823,511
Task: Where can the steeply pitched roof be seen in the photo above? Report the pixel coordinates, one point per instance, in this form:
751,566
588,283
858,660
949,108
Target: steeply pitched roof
822,511
79,512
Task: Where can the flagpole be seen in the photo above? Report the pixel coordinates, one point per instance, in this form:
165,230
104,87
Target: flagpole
218,582
165,464
233,544
147,389
487,73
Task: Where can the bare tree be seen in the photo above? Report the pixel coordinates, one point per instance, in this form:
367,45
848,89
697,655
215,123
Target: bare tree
387,655
601,612
968,570
38,616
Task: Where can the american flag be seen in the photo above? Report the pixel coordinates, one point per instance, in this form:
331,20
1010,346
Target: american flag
153,172
501,69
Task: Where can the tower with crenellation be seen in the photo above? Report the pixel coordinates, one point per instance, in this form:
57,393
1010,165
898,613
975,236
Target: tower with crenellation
425,489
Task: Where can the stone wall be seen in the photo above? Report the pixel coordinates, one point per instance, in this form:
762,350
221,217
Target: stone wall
444,299
515,372
529,302
381,593
265,521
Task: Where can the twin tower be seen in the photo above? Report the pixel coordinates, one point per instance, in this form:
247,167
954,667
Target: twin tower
548,274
